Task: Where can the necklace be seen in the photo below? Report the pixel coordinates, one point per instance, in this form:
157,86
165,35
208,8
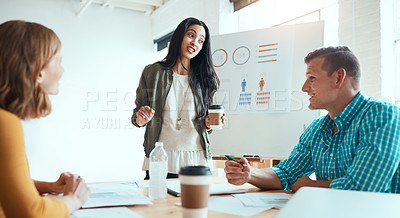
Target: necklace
179,118
183,65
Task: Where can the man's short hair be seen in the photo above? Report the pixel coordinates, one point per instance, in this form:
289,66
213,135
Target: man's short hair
336,58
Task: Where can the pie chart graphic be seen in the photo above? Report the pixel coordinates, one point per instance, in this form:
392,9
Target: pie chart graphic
220,56
241,55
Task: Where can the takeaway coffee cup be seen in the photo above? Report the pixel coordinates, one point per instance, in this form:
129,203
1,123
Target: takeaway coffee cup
215,113
195,182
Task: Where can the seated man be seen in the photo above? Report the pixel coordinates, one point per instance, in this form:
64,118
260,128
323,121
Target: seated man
355,147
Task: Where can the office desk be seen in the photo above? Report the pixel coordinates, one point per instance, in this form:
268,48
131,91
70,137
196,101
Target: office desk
167,207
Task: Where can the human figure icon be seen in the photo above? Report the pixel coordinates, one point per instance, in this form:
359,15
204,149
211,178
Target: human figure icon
261,84
244,85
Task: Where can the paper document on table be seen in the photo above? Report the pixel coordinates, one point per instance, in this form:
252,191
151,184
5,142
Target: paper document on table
120,212
215,189
142,183
276,200
233,206
108,195
115,198
114,185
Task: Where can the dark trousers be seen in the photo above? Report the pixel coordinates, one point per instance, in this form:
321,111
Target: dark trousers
169,175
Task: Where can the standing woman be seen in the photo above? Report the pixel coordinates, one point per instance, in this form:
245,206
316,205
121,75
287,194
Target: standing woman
173,98
30,68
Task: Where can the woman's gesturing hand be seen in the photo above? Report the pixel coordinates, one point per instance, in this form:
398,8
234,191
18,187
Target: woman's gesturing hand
144,115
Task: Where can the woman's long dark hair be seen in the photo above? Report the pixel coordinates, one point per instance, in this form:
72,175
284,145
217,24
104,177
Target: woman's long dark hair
202,76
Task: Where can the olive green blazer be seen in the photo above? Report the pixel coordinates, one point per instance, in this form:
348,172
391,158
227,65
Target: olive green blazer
154,86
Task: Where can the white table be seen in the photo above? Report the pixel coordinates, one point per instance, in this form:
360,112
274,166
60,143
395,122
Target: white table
311,202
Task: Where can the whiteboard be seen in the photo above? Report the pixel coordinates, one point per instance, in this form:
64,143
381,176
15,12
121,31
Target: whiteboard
268,134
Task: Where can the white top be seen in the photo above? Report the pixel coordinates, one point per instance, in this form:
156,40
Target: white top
310,202
182,146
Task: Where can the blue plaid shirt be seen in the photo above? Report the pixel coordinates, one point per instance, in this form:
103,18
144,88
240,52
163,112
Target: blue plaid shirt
363,155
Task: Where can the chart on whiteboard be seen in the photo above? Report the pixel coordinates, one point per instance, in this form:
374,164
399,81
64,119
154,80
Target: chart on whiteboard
255,69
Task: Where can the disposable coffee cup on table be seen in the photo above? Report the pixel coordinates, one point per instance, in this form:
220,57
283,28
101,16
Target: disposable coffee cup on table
215,113
195,182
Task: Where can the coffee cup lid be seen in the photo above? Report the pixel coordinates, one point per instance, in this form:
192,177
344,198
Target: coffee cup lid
195,170
215,106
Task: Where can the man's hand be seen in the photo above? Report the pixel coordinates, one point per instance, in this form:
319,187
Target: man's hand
301,182
306,181
236,173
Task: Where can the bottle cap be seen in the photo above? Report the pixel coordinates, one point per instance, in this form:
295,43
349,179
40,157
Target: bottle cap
159,144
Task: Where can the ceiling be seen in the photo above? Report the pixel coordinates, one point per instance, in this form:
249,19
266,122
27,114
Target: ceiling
146,6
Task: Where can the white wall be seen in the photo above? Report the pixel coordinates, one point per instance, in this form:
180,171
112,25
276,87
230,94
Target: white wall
89,130
166,19
366,26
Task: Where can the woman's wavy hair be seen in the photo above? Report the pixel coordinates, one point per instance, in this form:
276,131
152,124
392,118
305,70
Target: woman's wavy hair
25,50
202,76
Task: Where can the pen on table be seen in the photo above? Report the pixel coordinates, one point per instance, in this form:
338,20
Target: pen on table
232,159
174,193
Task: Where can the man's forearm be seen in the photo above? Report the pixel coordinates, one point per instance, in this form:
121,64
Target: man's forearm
306,181
265,179
321,183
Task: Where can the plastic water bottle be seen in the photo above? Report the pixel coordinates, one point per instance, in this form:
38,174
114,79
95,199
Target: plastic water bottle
158,172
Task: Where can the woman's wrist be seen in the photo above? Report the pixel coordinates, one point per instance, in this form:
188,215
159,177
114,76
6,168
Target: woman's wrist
44,187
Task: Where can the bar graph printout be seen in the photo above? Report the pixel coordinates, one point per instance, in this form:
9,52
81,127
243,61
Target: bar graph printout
276,200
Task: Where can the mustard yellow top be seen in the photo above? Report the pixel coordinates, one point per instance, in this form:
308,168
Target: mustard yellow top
18,194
